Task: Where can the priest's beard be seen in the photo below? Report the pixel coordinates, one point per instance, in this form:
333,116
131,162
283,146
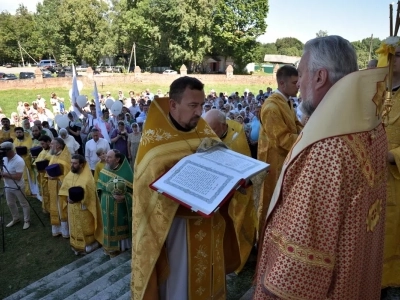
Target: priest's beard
307,106
53,152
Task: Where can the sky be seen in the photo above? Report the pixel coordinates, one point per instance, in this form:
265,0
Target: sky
302,19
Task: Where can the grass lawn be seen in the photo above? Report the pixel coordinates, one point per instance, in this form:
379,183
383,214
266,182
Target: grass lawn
30,254
9,98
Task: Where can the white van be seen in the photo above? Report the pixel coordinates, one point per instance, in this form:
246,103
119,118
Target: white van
47,63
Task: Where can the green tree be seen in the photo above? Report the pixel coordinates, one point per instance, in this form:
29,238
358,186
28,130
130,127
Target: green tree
15,30
236,26
322,33
363,50
289,46
262,49
50,40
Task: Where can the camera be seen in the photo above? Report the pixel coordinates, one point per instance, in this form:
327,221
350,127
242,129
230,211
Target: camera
3,152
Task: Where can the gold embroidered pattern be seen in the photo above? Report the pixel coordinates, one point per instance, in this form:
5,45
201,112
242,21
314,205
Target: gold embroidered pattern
207,130
200,235
307,255
201,265
379,97
155,135
357,145
200,291
374,215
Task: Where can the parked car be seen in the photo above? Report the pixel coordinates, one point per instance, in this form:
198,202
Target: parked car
51,69
47,75
9,77
82,68
118,69
26,75
108,69
170,72
47,63
2,74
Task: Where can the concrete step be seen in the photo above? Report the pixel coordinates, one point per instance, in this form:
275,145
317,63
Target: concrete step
96,256
74,281
118,290
93,276
109,286
126,296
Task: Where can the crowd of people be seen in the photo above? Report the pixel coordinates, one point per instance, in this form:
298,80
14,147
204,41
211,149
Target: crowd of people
324,225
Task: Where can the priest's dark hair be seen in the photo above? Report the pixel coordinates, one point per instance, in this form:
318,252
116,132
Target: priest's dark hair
44,138
79,157
119,155
286,72
179,85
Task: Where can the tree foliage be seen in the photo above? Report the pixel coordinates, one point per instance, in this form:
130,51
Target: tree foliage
236,26
166,32
322,33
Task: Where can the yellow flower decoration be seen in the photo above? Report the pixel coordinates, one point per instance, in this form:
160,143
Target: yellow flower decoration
374,215
388,46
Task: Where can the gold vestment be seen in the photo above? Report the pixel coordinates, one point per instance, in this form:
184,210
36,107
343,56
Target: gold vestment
161,147
278,132
84,217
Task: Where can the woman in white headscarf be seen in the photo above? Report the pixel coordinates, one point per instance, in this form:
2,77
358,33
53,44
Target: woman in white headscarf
69,141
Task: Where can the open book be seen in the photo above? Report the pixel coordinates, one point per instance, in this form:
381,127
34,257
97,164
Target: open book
204,181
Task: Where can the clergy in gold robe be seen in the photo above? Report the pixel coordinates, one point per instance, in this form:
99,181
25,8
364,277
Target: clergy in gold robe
241,208
58,203
101,153
41,177
325,226
23,139
7,131
84,212
176,253
279,130
391,258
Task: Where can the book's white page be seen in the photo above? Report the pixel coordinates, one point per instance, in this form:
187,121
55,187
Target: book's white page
203,180
230,161
197,185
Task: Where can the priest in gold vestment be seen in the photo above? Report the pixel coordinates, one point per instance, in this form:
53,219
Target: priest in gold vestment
324,233
241,208
279,130
84,215
23,139
58,203
7,131
42,179
176,254
391,258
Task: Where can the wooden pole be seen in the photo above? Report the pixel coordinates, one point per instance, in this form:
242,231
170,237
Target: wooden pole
391,18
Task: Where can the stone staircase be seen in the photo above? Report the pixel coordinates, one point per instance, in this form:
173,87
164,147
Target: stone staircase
94,276
97,277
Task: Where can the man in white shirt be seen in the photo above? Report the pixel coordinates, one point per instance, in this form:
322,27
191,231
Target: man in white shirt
92,146
14,184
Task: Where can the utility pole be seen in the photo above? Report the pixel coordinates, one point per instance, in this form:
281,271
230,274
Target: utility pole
134,53
370,48
22,57
130,59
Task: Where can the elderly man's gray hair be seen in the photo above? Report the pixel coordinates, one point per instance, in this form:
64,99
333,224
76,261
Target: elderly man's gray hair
332,53
7,146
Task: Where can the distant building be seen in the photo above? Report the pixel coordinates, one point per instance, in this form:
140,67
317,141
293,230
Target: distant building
216,64
282,59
